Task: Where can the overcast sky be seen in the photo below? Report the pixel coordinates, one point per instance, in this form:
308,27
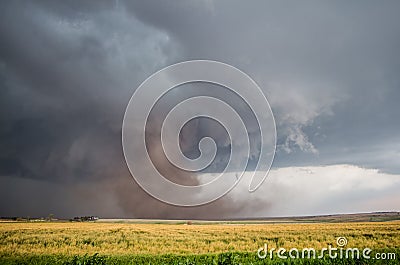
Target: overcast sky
330,70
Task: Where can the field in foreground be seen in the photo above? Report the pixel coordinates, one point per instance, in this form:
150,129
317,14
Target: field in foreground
112,243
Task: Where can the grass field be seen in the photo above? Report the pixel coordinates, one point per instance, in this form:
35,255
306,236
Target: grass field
124,243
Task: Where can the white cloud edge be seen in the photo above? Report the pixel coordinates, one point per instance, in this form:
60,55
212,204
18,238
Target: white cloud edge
312,190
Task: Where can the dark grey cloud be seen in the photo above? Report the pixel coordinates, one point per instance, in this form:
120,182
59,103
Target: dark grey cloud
67,70
65,92
65,84
66,76
330,69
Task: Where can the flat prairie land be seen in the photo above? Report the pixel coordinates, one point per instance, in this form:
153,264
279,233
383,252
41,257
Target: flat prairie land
21,240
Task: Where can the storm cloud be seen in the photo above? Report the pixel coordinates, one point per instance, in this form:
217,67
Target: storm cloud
68,69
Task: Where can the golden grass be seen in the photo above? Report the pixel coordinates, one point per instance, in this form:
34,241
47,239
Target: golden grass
113,238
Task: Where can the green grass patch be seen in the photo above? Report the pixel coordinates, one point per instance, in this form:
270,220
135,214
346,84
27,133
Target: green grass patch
234,258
